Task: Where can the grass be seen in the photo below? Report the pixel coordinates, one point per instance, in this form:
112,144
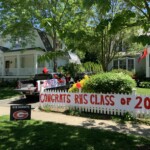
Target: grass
22,135
144,91
7,93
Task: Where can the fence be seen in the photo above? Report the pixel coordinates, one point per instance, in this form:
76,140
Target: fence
112,104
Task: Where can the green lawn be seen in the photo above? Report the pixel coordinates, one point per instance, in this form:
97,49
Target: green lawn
143,91
7,93
29,135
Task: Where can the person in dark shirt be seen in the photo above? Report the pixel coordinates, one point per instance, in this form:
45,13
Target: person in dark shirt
68,77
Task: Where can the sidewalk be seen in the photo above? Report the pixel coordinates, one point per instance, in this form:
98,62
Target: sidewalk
136,129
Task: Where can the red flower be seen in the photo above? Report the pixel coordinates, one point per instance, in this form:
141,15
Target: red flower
78,85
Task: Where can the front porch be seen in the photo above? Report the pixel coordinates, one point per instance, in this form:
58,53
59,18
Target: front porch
21,64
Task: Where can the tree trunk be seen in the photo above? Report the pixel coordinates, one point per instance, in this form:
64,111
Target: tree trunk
54,49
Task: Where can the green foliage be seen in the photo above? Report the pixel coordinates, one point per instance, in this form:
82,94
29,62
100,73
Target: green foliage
109,83
51,55
92,67
73,112
61,70
7,92
144,84
103,7
144,39
72,69
8,84
124,71
121,20
128,117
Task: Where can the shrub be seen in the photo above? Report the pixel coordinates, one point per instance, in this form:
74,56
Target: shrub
128,117
144,84
109,83
92,67
71,69
130,73
12,83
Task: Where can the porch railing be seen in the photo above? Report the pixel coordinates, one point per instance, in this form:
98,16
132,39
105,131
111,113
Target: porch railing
21,71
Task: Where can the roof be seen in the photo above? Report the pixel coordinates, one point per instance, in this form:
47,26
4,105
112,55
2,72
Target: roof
45,40
27,49
4,49
74,58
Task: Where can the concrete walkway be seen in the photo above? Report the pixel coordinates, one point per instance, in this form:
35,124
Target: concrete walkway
136,129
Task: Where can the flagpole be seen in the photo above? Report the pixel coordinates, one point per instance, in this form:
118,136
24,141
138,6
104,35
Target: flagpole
147,64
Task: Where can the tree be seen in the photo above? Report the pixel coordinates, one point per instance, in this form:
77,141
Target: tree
142,11
19,17
142,7
101,35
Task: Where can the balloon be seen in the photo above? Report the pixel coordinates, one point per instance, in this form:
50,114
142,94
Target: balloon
60,80
45,70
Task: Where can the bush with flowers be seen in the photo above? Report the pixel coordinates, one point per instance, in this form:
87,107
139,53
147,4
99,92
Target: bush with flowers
105,83
80,84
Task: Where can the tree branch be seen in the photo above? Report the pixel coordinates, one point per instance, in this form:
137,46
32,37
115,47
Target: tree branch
136,6
63,11
148,9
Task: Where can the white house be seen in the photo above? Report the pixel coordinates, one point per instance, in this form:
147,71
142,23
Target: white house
21,62
130,62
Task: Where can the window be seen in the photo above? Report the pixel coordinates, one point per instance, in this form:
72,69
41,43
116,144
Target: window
130,64
122,63
115,64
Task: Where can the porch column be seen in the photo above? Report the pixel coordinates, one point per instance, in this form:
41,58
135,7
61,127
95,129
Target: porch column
35,64
3,66
148,64
18,65
134,62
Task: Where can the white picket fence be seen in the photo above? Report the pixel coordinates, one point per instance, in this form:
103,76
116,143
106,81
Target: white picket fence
112,104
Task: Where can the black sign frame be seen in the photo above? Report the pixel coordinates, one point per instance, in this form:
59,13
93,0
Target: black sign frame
20,112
